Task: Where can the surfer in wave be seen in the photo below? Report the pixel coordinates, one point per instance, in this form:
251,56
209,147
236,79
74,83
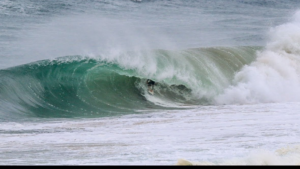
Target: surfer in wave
150,84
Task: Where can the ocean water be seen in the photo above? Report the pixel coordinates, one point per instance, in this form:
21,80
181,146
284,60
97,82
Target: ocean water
73,82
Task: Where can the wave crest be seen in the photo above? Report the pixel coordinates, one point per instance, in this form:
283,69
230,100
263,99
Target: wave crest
76,86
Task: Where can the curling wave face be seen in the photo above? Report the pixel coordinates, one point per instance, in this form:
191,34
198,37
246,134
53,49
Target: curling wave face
77,86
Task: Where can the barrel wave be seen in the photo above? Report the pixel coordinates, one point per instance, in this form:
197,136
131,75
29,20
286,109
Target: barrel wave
81,86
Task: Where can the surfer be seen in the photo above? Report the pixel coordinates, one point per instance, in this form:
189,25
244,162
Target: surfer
150,84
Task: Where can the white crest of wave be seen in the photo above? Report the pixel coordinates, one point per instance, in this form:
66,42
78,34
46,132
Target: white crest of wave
275,75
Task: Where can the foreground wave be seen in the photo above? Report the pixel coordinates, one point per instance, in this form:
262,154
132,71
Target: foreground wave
289,155
77,86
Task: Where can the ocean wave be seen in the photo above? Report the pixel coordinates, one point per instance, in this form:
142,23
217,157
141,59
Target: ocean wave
78,86
275,75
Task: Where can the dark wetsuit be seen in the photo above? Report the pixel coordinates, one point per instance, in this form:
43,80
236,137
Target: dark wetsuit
150,83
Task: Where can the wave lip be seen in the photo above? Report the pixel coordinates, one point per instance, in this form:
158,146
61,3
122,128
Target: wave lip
76,86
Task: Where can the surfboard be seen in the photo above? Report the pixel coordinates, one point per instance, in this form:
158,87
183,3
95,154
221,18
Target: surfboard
151,92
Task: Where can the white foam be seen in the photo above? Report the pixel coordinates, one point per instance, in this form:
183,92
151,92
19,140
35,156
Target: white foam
289,155
231,134
275,75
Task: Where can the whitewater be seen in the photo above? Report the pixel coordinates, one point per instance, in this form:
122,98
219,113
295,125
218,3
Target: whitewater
73,82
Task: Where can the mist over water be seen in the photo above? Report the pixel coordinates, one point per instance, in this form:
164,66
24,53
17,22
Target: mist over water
73,82
66,28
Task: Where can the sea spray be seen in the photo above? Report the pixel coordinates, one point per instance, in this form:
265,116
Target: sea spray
275,75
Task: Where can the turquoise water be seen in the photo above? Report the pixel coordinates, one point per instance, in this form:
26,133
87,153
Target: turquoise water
75,86
73,82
